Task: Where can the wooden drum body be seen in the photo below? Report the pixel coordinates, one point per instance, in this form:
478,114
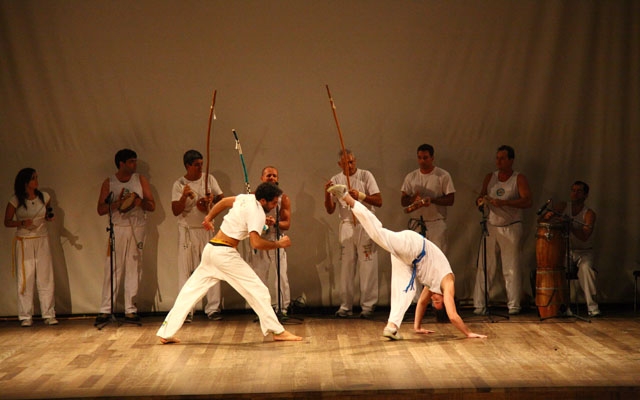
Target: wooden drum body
551,291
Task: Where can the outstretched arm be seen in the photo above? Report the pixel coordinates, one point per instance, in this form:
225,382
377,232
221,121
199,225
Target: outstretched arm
421,307
448,294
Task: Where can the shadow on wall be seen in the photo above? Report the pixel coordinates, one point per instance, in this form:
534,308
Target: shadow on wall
58,237
149,294
311,270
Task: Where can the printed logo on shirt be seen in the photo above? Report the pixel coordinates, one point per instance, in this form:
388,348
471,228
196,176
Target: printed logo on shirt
500,192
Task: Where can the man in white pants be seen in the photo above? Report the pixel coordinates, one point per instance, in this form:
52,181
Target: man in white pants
412,257
583,221
222,261
357,247
426,194
128,195
263,260
505,194
190,202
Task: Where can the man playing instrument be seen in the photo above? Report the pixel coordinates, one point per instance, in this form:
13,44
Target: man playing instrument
357,246
129,196
426,193
581,241
191,198
222,261
262,261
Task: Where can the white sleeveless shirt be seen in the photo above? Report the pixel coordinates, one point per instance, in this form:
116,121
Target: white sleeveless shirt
136,216
507,190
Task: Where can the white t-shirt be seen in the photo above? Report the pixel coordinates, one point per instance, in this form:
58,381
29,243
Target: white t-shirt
191,216
436,183
35,210
246,216
362,181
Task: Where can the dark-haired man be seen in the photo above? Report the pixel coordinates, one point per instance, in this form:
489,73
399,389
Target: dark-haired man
129,196
581,241
426,193
222,261
190,202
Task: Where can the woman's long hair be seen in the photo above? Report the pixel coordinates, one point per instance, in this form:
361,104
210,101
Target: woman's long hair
20,186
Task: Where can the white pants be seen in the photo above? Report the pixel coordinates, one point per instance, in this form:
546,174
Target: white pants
191,243
586,276
503,242
264,261
222,263
358,249
128,260
34,268
396,243
401,300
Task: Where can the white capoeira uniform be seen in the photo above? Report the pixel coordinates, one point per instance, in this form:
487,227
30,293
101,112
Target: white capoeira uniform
224,263
192,237
582,255
263,260
436,183
129,235
407,248
31,259
357,247
505,233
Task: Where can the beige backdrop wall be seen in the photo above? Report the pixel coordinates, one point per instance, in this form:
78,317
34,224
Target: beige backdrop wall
558,80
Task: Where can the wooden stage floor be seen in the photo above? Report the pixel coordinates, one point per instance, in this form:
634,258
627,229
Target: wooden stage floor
523,358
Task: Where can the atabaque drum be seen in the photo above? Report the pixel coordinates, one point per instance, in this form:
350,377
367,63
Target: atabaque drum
551,291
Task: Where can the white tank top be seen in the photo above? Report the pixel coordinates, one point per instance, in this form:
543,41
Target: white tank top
507,190
136,216
575,242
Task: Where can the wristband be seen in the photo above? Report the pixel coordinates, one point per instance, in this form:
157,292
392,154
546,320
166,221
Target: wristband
361,196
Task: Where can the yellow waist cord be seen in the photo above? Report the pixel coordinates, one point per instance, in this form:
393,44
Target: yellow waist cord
13,260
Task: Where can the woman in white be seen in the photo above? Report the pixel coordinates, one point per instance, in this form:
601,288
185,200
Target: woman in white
28,211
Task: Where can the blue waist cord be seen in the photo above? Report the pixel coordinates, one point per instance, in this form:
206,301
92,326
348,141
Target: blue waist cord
415,267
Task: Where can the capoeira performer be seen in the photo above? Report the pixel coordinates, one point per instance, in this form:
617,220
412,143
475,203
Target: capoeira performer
221,261
412,257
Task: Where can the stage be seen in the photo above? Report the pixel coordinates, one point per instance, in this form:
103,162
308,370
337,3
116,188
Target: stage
522,358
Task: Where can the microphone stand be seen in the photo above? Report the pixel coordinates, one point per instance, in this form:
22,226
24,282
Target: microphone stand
488,313
112,253
282,317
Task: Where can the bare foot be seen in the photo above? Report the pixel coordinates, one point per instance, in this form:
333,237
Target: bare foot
169,340
286,336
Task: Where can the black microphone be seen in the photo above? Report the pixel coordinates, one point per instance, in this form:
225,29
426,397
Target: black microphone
544,207
109,198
